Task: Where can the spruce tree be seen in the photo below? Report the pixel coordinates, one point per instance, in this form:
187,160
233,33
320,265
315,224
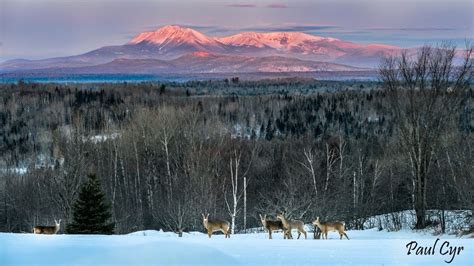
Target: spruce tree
91,211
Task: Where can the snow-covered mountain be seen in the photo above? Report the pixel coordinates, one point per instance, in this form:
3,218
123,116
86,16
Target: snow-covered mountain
174,40
291,43
246,51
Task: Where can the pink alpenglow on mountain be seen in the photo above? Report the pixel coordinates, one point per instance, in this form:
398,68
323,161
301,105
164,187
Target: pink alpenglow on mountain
164,48
281,40
173,34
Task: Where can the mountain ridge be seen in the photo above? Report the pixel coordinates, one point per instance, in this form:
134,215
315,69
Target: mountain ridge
200,62
291,51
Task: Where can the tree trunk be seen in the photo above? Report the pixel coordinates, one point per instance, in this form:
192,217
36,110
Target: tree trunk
245,203
354,198
233,220
420,207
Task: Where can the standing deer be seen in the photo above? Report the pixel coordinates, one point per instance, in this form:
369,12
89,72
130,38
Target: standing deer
273,226
47,230
330,226
317,232
215,225
292,224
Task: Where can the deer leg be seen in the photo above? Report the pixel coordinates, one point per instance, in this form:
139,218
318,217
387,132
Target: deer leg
209,233
299,234
305,235
270,234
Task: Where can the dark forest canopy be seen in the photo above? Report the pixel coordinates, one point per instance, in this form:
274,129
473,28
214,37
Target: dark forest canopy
162,150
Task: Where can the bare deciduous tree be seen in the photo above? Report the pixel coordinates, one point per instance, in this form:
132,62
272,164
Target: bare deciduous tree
235,176
425,92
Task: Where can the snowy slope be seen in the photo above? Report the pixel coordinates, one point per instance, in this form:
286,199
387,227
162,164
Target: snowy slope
368,247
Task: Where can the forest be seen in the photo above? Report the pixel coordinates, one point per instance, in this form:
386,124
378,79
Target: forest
165,152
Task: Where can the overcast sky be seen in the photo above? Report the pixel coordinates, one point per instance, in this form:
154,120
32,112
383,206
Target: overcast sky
35,29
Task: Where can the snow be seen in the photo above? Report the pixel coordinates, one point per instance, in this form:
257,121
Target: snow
455,220
172,33
21,170
276,40
101,137
367,247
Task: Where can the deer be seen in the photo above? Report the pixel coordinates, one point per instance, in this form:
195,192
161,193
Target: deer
330,226
215,225
47,230
316,232
273,226
292,224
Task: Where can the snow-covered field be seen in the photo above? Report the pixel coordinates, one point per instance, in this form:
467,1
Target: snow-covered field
367,247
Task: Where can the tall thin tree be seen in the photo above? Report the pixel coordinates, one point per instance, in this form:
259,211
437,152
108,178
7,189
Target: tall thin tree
425,92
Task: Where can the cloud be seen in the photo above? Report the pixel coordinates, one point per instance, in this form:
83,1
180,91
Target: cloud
302,28
242,5
276,5
414,29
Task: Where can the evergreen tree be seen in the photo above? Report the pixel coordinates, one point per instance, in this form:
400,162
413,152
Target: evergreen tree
269,130
91,211
162,89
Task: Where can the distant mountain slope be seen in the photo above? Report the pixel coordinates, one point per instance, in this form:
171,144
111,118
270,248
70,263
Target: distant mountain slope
247,51
202,62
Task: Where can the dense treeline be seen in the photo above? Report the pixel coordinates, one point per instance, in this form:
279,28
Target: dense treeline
165,153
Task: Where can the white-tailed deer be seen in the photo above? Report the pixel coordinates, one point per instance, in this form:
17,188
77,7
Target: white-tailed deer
316,232
47,230
215,225
273,226
292,224
330,226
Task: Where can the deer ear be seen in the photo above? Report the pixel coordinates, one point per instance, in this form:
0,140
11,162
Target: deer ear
203,215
